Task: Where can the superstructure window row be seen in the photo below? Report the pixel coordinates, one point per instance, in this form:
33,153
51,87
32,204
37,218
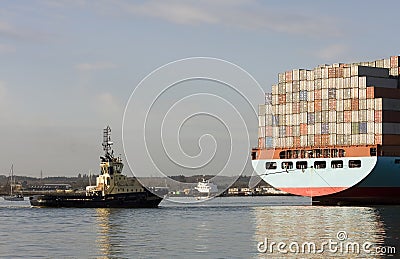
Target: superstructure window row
317,164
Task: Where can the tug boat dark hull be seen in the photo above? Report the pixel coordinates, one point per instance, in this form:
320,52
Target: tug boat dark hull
127,200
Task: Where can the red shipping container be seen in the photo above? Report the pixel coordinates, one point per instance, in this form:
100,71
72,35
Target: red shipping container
282,98
289,131
370,92
354,104
318,94
378,139
296,141
347,116
332,104
339,72
296,107
303,129
318,105
381,92
331,72
288,76
394,61
378,116
317,140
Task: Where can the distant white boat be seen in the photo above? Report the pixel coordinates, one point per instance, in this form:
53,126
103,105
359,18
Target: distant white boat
12,196
205,186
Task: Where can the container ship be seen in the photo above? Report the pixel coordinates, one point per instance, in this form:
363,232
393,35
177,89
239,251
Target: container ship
333,133
112,189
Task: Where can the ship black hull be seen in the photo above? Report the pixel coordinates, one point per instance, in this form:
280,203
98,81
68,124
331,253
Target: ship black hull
126,200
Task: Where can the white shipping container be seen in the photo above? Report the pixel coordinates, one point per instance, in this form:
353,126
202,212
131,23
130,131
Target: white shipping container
354,82
346,72
324,93
363,139
325,116
296,131
332,139
275,131
339,83
370,139
275,109
362,82
340,105
347,93
310,107
295,74
289,142
379,63
310,140
332,82
362,115
339,117
296,97
370,127
310,129
261,132
347,82
261,121
296,119
275,99
324,72
289,107
275,89
370,115
354,116
310,86
303,117
355,139
354,92
378,128
317,128
347,104
394,71
332,128
325,104
332,116
362,93
362,104
303,85
310,96
347,128
324,83
262,109
371,104
386,63
378,103
303,141
339,94
281,110
339,128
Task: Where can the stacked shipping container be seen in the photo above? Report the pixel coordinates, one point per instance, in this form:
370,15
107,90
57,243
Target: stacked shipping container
333,105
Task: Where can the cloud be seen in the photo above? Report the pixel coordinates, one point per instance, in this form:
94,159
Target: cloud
333,51
95,66
106,104
9,31
239,14
7,48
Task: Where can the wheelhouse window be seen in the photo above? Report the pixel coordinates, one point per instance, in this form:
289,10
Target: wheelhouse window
282,155
270,165
287,165
301,164
354,163
342,153
337,164
372,151
319,164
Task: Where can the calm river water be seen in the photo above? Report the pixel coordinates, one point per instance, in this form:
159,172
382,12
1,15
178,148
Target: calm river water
234,227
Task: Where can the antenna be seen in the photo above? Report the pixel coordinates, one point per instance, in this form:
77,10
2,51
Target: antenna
107,143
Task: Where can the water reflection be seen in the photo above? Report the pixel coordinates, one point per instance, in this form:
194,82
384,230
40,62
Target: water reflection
348,226
110,237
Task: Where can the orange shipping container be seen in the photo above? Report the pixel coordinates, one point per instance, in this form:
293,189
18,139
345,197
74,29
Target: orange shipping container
317,94
296,107
354,104
289,131
332,104
282,98
318,105
347,116
288,76
394,61
303,129
296,141
317,140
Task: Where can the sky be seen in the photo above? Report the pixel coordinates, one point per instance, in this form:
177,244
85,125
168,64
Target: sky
68,68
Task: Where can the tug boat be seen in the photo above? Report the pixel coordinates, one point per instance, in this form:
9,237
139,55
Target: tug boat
112,189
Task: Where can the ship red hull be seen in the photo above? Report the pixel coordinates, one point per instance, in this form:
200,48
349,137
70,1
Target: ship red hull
361,195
